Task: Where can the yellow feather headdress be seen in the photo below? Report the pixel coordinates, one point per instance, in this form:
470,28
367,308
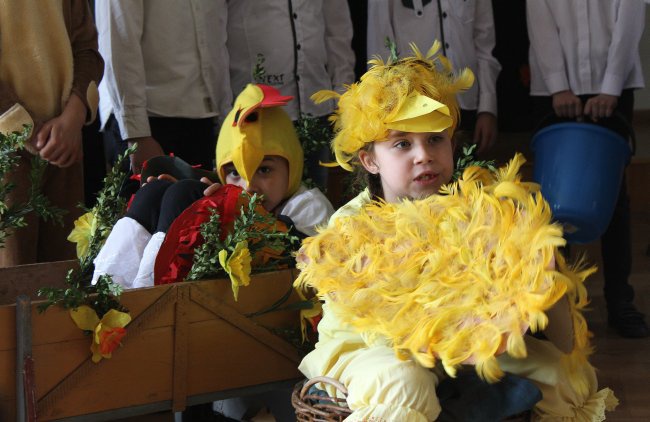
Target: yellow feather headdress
454,278
413,94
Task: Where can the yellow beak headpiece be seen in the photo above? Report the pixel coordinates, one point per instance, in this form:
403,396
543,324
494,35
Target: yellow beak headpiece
414,94
255,127
420,113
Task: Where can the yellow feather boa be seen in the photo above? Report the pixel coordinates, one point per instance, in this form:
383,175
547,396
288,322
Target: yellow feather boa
457,277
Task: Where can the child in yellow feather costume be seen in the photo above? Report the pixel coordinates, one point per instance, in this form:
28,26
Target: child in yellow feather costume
455,278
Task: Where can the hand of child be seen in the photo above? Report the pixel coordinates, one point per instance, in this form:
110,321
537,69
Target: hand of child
148,147
485,132
163,176
30,145
59,139
567,104
600,106
212,188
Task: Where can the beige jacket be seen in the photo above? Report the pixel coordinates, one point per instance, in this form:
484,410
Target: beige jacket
48,50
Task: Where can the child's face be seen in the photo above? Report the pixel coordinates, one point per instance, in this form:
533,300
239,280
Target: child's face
271,179
411,165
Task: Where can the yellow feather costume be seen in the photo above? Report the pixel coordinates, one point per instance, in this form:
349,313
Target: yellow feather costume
456,278
417,92
452,279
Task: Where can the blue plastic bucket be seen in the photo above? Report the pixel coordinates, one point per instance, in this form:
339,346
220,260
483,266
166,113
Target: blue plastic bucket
580,168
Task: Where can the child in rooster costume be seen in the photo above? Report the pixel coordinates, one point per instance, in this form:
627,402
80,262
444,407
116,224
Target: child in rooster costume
257,151
421,278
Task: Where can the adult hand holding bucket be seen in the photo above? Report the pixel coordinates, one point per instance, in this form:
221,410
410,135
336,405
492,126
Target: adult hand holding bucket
580,167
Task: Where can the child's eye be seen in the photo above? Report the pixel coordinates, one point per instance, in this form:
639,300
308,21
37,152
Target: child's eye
436,138
401,144
264,170
233,173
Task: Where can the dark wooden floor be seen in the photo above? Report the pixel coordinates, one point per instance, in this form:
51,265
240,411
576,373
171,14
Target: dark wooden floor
624,364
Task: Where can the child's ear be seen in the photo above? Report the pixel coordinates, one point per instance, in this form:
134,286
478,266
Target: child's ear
367,162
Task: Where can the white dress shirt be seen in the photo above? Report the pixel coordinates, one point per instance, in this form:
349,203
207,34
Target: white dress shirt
164,58
306,45
587,46
468,33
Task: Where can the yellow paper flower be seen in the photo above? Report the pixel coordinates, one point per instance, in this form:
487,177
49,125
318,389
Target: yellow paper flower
107,332
84,229
238,266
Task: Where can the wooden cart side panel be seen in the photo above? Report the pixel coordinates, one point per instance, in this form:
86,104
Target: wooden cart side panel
27,279
8,363
138,373
7,328
199,295
264,291
68,383
59,347
7,385
55,325
181,334
227,358
171,351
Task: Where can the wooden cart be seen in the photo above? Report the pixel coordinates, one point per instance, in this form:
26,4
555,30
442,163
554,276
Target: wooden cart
187,343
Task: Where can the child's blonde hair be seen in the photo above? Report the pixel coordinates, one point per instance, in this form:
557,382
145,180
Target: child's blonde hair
365,110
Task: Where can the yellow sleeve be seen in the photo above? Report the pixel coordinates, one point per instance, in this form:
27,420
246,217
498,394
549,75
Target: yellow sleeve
380,386
548,369
352,207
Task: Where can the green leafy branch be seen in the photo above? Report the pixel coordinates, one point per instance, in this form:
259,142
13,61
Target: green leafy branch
255,228
259,71
314,134
104,295
467,159
206,259
13,217
109,208
392,48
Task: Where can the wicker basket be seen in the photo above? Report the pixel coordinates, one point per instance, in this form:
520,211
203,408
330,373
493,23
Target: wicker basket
323,408
317,408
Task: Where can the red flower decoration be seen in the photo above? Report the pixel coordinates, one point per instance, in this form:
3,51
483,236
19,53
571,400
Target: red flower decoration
110,338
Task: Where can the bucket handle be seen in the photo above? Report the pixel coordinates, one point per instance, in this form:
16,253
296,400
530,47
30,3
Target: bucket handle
551,117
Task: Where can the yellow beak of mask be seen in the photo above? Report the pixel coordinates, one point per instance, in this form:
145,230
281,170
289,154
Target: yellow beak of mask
257,126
